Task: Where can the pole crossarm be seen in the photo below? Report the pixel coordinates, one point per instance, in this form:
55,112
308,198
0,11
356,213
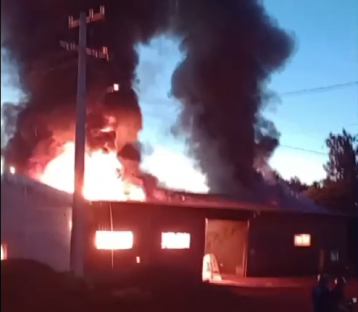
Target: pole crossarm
74,23
91,17
101,53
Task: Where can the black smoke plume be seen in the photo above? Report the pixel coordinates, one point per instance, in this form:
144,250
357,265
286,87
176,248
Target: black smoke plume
231,47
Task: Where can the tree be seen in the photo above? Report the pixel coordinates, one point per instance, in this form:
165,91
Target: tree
342,170
297,185
329,194
339,190
343,157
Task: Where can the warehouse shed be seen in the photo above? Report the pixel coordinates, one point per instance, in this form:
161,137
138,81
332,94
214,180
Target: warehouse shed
247,239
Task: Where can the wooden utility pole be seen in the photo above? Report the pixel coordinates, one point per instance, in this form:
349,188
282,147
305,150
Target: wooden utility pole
77,251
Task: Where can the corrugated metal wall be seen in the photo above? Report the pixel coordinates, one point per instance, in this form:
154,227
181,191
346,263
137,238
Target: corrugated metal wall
34,227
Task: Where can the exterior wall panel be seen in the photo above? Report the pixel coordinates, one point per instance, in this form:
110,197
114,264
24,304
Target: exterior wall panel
272,251
37,226
34,228
147,222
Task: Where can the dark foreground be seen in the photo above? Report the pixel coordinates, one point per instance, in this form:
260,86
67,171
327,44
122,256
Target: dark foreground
37,288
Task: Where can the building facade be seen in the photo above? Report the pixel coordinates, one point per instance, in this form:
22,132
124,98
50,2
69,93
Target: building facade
141,237
296,244
124,238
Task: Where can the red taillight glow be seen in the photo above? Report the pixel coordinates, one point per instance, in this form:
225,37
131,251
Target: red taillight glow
173,240
114,240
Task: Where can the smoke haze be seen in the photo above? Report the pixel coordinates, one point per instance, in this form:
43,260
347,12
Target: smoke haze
231,48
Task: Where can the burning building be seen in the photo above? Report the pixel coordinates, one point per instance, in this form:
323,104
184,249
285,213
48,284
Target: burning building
230,48
247,239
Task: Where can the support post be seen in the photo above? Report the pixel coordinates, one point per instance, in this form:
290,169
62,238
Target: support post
78,209
78,232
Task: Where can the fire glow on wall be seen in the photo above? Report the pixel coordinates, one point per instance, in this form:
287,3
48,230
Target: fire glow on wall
172,240
302,240
3,252
124,240
114,240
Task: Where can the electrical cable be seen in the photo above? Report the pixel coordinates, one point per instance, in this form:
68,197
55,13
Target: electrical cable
320,89
303,149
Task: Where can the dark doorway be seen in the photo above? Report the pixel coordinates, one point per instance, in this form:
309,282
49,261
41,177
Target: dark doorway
227,241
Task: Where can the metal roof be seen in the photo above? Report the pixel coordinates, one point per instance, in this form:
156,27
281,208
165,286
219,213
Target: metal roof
25,185
289,204
275,198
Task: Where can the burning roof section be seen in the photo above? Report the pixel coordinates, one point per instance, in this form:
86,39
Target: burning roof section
287,203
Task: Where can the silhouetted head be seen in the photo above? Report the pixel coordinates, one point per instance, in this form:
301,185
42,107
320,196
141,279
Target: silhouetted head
323,279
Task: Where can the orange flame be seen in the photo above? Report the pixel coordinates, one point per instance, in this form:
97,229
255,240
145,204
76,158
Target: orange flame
104,178
101,181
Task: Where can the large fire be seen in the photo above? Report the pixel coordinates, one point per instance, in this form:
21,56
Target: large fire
102,176
104,179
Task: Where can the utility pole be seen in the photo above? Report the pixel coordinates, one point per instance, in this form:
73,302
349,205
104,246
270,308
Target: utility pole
78,231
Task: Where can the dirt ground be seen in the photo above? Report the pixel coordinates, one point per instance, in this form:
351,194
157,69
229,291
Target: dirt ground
277,299
221,299
33,287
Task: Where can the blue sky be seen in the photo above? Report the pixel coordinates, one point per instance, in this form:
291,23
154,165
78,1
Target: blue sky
327,54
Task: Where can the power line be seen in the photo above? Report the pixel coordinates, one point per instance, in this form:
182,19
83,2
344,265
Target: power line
316,132
63,65
289,93
309,150
320,89
351,125
304,150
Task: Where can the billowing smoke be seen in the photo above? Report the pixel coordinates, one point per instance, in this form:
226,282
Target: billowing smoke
231,47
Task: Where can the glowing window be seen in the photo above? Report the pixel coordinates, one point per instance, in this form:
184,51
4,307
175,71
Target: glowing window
302,240
114,240
172,240
3,252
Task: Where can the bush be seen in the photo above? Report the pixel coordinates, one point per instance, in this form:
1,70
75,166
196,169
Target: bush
31,285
